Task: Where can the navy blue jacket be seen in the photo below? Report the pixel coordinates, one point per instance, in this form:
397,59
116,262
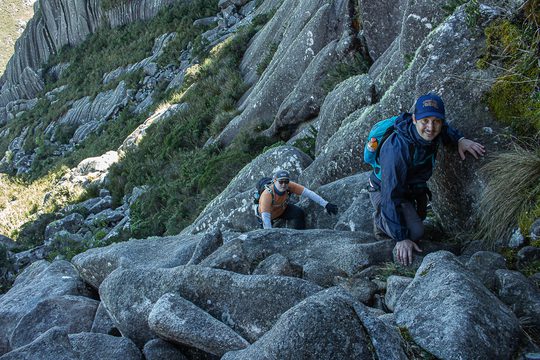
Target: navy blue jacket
402,170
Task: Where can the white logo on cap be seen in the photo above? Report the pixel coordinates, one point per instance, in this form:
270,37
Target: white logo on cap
431,103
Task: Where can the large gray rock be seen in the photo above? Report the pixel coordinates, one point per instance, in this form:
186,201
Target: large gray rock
484,264
104,347
449,312
210,242
277,264
158,349
346,251
54,25
381,23
128,12
309,331
90,170
359,216
313,25
322,274
352,199
167,252
231,257
52,345
73,313
250,305
395,286
87,115
233,208
521,295
8,243
360,288
38,282
304,102
354,93
103,323
175,319
71,223
417,20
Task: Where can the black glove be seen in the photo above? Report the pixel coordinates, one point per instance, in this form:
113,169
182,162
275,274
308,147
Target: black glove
331,209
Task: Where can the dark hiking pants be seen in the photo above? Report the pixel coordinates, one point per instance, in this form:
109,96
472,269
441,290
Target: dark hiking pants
294,217
408,211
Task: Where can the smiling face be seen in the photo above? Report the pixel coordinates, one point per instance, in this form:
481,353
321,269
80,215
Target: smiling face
429,127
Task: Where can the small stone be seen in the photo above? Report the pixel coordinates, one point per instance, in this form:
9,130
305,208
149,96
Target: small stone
517,240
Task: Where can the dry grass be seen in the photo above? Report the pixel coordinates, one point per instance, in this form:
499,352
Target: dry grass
512,192
21,202
13,17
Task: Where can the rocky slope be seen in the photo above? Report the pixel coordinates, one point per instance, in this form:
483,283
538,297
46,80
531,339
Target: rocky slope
225,289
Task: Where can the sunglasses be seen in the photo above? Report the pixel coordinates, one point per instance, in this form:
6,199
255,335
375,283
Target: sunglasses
283,182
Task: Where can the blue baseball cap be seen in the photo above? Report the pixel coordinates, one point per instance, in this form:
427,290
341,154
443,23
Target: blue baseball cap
282,175
429,105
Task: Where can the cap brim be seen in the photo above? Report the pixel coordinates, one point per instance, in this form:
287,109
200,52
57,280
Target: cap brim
438,115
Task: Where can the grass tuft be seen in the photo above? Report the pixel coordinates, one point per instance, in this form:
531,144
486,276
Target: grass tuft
512,193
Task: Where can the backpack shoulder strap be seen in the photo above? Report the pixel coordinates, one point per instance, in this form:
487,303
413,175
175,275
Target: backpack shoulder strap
386,135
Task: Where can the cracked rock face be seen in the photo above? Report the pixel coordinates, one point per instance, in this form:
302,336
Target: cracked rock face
311,26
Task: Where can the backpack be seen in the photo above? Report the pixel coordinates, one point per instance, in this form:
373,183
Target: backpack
375,140
263,184
376,137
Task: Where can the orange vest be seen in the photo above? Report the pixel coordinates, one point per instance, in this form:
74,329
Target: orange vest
275,204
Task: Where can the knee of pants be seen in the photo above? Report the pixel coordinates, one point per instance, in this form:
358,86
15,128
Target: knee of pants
416,232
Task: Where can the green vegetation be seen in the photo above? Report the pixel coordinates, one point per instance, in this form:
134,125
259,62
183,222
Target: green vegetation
514,180
307,144
452,5
513,46
355,65
103,52
22,201
413,350
472,13
183,173
5,266
267,59
391,268
408,58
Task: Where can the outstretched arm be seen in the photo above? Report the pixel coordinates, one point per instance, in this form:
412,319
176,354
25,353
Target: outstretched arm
330,208
474,148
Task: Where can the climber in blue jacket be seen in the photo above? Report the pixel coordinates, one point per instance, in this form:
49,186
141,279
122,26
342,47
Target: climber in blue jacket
407,158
